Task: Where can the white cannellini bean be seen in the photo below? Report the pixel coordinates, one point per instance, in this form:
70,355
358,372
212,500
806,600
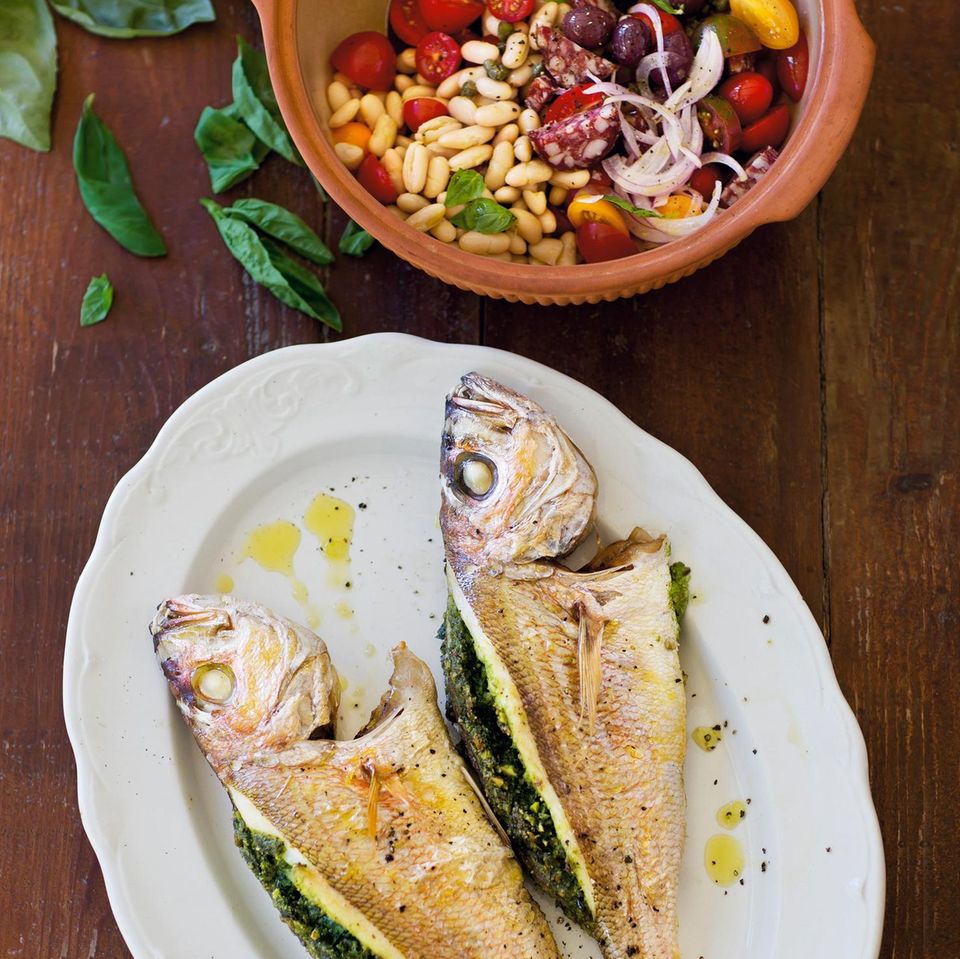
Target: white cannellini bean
407,60
479,51
506,194
445,231
515,50
345,114
371,109
500,164
463,109
418,90
494,89
538,171
402,82
384,135
486,244
568,256
397,212
427,218
451,86
570,179
466,137
491,25
428,132
402,144
520,76
562,10
517,243
337,95
471,157
546,251
497,114
523,149
438,151
393,164
411,202
351,156
558,195
548,220
528,226
415,164
507,134
394,106
546,16
536,201
529,120
438,175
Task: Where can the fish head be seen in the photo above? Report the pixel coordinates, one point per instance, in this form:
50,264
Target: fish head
515,488
247,682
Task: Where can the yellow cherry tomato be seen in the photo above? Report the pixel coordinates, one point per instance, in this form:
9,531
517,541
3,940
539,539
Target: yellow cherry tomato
593,208
677,207
773,21
356,133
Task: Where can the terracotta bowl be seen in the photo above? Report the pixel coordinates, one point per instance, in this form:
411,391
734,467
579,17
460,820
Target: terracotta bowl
301,34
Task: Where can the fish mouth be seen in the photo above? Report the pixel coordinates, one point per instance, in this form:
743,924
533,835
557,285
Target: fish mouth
173,614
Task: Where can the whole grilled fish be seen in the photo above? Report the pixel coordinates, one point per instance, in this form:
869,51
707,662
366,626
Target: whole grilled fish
566,685
373,848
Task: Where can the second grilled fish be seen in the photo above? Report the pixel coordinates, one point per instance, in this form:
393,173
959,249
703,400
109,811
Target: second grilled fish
566,685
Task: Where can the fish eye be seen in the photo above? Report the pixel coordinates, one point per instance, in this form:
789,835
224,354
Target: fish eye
214,683
475,475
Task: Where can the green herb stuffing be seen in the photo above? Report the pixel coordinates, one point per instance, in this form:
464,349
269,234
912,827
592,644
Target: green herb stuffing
506,783
322,936
679,588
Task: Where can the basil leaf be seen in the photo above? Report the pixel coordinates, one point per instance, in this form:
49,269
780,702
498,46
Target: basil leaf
122,19
255,101
305,283
485,216
228,147
28,72
96,301
663,5
260,149
284,226
106,188
355,241
246,246
630,208
464,186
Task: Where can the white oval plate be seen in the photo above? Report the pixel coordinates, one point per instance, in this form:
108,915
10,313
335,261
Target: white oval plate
362,418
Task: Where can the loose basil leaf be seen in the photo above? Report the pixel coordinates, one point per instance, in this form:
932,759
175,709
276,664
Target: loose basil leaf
284,226
630,208
28,72
304,283
464,186
663,5
122,19
248,248
260,149
228,146
485,216
96,301
355,241
106,188
254,99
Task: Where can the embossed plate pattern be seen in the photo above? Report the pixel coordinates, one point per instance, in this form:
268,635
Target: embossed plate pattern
362,418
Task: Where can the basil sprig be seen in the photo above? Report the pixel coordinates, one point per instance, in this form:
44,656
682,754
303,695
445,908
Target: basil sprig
630,208
122,19
106,188
284,226
484,216
464,186
355,241
96,301
229,146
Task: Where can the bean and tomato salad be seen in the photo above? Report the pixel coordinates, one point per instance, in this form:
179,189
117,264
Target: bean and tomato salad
549,132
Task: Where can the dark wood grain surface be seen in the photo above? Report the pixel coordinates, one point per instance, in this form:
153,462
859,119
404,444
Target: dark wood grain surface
811,374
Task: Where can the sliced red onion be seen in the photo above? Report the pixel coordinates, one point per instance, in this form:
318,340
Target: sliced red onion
704,74
666,230
669,117
726,160
660,60
654,18
653,184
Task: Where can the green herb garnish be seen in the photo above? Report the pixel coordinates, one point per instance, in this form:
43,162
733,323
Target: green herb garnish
485,216
96,301
464,186
229,146
122,19
663,5
284,226
630,208
106,188
28,72
355,241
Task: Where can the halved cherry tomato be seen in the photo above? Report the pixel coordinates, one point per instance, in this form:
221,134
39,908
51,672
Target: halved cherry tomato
420,109
407,21
668,23
588,207
572,101
735,37
767,67
600,241
677,207
750,94
510,11
720,123
356,133
773,21
771,131
368,59
704,180
438,56
375,179
450,15
792,66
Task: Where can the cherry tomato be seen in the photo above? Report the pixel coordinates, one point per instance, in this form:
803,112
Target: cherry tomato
450,15
750,94
771,131
773,21
600,241
720,123
704,180
368,59
677,207
510,11
792,66
767,67
735,37
668,23
356,133
572,101
420,109
376,181
407,21
438,56
592,208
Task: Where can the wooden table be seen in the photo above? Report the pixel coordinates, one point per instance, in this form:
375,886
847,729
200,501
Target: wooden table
813,375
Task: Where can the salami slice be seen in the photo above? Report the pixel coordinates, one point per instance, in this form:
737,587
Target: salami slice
578,141
569,63
540,92
756,169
